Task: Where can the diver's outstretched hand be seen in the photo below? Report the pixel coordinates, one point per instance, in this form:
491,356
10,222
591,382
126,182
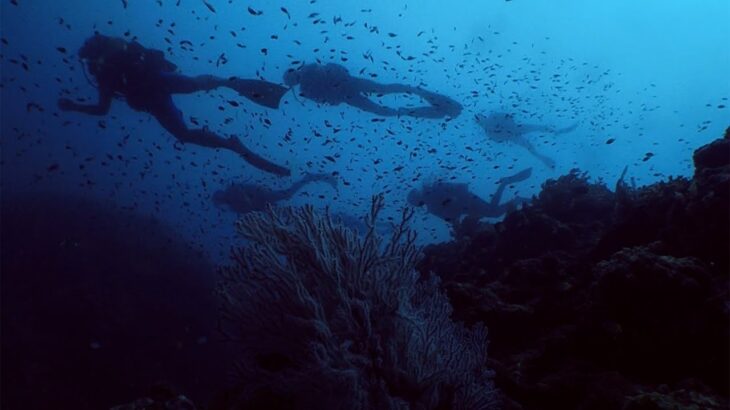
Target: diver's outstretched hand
518,177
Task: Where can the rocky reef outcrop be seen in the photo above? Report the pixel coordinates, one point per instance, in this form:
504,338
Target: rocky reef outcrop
604,299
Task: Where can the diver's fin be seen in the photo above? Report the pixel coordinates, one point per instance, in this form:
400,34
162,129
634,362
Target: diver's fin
518,177
259,91
621,183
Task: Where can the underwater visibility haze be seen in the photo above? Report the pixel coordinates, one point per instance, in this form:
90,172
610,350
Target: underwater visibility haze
320,204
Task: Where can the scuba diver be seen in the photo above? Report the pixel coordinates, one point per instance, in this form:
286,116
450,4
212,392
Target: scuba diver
245,198
332,84
147,81
502,127
450,201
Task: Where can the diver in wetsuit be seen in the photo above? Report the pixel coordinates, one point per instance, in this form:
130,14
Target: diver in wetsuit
332,84
502,127
451,202
244,198
147,81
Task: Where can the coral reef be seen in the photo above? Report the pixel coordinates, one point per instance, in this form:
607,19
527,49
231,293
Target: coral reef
604,300
328,320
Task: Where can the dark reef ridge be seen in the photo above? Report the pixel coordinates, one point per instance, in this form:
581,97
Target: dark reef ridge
99,304
603,300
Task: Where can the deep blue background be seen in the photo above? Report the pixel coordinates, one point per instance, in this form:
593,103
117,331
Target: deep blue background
649,74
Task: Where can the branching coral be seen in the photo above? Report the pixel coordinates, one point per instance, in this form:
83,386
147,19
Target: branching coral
329,320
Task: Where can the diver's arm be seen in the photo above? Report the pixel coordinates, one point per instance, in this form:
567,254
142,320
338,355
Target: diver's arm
100,108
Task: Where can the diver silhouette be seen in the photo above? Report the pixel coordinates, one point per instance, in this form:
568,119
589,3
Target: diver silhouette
332,84
147,81
502,127
452,201
245,198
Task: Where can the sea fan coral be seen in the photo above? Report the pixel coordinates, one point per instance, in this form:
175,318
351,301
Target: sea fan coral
329,320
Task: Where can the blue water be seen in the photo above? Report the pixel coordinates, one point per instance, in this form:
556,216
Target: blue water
651,75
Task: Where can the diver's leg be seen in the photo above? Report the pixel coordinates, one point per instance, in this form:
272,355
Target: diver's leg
526,128
566,129
365,104
372,87
518,177
257,160
441,105
497,196
494,206
171,119
523,142
182,84
259,91
364,86
545,159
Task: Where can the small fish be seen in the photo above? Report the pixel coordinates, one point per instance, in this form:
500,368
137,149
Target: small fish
285,11
254,12
610,141
209,6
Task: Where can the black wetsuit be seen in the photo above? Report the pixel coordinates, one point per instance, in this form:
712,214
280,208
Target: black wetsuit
333,84
147,82
452,201
245,198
